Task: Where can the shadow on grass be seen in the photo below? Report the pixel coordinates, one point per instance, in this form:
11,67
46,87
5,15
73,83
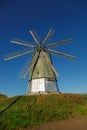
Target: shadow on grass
10,105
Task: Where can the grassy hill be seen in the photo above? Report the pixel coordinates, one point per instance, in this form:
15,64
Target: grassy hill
23,111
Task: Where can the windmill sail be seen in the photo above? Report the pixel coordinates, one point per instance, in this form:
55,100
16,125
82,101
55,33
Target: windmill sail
16,54
49,34
60,42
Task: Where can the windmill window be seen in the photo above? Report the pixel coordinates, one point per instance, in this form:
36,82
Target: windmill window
37,72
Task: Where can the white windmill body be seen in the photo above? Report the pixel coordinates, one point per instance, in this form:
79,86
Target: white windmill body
43,76
42,85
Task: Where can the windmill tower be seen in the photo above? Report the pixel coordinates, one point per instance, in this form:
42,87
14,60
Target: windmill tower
43,76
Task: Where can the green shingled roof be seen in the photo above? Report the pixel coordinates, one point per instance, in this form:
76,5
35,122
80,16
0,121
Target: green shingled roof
42,69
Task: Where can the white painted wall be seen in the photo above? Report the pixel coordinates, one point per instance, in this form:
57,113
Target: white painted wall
38,85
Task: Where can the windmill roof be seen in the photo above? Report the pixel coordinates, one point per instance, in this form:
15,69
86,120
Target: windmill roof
43,67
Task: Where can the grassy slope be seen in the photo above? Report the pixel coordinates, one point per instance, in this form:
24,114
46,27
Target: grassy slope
23,111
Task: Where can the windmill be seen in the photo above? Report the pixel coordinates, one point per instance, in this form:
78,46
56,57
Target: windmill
43,76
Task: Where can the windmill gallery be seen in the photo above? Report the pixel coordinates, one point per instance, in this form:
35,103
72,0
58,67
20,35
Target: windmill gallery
43,76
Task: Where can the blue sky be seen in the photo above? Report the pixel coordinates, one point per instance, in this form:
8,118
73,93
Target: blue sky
67,17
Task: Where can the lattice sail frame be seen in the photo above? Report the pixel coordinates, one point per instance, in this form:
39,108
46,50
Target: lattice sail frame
41,46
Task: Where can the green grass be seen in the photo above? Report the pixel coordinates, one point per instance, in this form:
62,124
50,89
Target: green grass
23,111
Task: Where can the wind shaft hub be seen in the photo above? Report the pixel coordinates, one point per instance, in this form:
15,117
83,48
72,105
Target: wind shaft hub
41,48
